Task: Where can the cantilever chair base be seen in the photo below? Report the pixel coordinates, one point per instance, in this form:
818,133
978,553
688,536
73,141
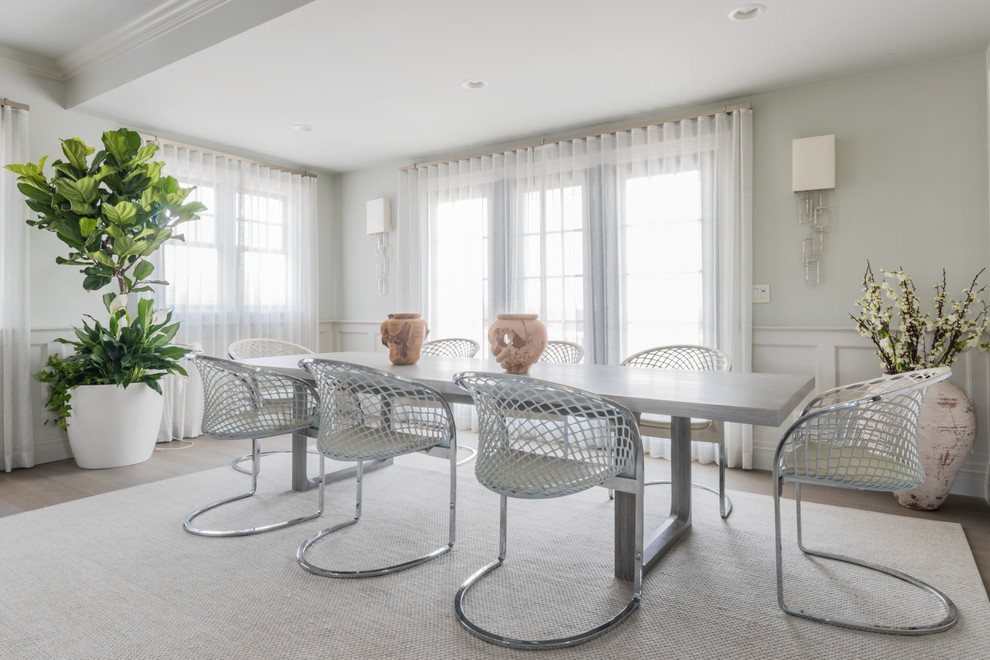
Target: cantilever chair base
513,643
395,568
326,572
187,524
951,613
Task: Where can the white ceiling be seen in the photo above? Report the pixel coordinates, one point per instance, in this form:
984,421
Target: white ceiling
381,80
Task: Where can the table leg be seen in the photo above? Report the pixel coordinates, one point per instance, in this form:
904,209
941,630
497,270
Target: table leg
301,481
679,520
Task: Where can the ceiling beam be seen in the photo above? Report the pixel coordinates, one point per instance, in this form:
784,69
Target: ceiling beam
170,32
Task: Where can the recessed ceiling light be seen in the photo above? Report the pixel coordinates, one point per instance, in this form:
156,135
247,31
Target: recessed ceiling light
474,84
302,128
746,12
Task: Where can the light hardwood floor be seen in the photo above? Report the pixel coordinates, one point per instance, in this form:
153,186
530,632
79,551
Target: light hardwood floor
53,483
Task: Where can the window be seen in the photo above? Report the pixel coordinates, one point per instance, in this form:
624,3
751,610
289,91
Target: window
553,260
620,241
247,266
461,235
662,245
257,241
196,258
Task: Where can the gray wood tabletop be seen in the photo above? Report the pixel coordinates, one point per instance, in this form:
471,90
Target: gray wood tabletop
746,398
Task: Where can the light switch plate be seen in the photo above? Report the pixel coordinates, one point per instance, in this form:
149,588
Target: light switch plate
761,293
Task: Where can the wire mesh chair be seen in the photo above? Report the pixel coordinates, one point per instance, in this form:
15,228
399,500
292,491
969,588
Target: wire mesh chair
862,436
452,347
245,349
237,406
541,440
687,358
367,414
562,352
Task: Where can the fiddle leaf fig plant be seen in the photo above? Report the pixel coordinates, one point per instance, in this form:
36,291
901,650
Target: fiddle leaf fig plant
112,210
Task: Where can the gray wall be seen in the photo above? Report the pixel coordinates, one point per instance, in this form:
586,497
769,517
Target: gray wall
911,191
911,185
57,297
359,298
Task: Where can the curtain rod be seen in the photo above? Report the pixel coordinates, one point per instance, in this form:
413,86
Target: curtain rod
14,104
580,136
220,154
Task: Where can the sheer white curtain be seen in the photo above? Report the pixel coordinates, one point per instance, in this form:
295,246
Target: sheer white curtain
16,430
247,267
620,242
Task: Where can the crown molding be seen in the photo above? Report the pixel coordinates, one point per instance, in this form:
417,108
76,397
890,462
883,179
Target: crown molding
36,65
130,36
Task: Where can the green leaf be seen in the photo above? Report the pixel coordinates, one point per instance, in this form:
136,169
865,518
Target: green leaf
87,225
122,143
102,258
29,170
144,154
95,282
122,245
146,311
76,151
122,213
143,270
31,191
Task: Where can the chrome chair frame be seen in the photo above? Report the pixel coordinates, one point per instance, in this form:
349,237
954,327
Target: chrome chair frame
254,347
510,407
451,347
361,410
876,448
688,357
562,352
236,407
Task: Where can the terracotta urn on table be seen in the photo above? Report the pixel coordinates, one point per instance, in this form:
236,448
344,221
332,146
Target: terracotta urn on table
517,340
404,334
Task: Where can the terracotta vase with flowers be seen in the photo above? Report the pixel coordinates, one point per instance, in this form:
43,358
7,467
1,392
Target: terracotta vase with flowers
908,338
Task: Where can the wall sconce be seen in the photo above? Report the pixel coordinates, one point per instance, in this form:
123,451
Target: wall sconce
813,174
379,224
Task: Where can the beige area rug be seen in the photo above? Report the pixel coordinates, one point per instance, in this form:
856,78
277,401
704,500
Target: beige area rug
115,576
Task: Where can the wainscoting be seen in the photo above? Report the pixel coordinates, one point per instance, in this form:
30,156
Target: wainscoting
833,356
50,441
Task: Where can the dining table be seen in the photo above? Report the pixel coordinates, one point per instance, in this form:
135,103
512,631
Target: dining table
761,399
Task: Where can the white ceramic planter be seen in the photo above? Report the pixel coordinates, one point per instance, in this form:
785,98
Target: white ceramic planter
112,426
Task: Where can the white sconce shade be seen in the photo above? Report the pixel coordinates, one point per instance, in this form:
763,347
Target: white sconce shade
379,216
813,163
